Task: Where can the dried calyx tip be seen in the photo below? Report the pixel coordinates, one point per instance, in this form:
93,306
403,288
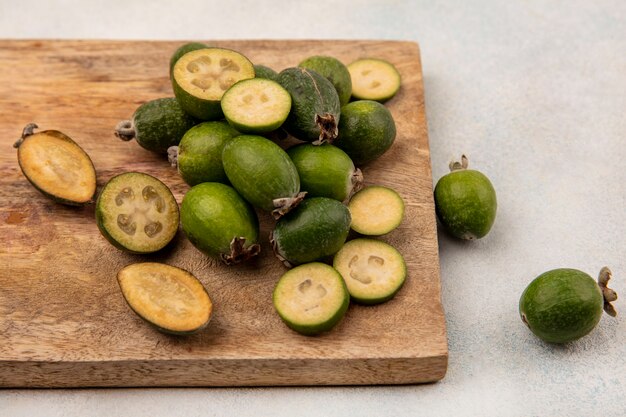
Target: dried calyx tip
284,205
238,253
29,129
456,165
125,130
608,294
172,156
281,258
357,183
328,128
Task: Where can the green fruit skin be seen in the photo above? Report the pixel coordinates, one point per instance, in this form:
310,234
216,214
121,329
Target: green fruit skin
213,214
335,72
366,130
325,171
465,202
311,95
561,305
200,152
260,170
99,212
161,123
188,47
313,330
316,228
53,197
262,71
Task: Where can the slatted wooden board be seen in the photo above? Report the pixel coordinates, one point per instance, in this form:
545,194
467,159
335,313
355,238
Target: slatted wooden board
63,321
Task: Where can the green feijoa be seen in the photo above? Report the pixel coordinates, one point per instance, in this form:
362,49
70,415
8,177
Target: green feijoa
56,166
318,227
311,298
373,79
201,77
336,72
137,213
156,125
373,270
366,130
315,105
199,154
465,202
262,173
182,50
262,71
563,305
220,223
325,171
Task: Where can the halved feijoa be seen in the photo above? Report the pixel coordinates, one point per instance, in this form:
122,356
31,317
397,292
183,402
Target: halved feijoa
56,166
199,154
137,213
156,125
325,171
374,79
182,50
376,210
169,298
311,298
334,71
366,130
201,77
220,223
465,202
256,105
565,304
373,270
318,227
262,71
262,172
315,105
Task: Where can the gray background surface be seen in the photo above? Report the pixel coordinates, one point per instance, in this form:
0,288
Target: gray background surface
534,92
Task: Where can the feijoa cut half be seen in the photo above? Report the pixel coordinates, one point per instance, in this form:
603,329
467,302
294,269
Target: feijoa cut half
262,172
563,305
256,105
311,298
317,228
137,213
201,77
198,156
374,271
325,171
315,107
376,210
465,202
374,79
334,71
169,298
220,223
156,125
366,131
56,166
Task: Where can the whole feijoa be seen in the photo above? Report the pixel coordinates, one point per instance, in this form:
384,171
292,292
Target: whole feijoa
465,202
318,227
366,130
334,71
262,172
198,156
563,305
220,223
325,171
315,106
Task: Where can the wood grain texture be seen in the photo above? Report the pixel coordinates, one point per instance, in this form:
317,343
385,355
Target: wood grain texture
63,321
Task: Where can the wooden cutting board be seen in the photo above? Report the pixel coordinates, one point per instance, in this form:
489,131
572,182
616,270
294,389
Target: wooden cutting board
63,321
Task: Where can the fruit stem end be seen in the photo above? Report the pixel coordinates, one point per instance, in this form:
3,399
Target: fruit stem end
608,294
